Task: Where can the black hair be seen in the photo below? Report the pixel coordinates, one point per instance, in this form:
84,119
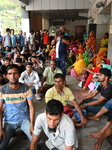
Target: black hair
59,75
19,60
6,58
13,66
106,72
54,107
33,51
104,60
33,57
1,72
7,29
29,63
107,34
53,60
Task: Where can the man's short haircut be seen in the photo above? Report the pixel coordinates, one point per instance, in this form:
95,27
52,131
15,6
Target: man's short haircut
59,75
29,63
6,58
54,107
106,72
13,66
53,60
19,60
7,30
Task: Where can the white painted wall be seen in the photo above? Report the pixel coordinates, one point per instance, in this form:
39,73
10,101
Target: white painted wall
71,25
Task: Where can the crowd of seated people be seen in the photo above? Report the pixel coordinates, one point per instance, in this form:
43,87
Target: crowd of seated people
91,69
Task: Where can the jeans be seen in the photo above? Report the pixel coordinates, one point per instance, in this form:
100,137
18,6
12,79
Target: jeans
61,64
94,109
108,106
10,128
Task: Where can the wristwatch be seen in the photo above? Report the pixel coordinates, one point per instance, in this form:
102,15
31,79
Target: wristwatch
85,104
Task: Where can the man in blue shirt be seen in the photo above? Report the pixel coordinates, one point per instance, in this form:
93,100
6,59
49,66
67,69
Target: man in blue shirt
62,41
16,99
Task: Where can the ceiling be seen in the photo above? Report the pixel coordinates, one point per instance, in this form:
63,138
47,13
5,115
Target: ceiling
106,10
63,14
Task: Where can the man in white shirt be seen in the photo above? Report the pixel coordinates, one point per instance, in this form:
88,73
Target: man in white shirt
30,78
58,127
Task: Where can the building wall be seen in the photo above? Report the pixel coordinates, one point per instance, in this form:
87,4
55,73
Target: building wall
35,21
71,25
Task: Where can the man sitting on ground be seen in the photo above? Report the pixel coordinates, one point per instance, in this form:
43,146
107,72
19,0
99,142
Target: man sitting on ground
64,94
48,76
17,100
31,78
58,127
105,88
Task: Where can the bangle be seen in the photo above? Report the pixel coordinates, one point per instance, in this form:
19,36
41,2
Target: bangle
85,104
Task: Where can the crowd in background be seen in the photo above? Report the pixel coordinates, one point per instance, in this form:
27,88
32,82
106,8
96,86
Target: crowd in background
81,59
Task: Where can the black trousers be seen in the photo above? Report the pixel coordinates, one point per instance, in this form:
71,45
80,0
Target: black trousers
42,146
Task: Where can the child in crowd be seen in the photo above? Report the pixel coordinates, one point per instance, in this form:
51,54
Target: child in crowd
47,51
37,66
23,50
52,53
19,63
31,78
30,48
3,67
40,54
7,50
82,78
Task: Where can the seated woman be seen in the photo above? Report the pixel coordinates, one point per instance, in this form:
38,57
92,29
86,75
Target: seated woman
104,43
97,57
37,66
91,44
78,66
91,73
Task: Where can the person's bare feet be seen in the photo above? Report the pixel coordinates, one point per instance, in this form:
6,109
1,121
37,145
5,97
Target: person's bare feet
93,117
96,135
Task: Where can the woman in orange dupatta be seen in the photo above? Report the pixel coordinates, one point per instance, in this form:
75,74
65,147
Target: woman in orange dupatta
91,44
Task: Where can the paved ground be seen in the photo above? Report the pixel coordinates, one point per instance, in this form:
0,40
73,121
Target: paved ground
85,141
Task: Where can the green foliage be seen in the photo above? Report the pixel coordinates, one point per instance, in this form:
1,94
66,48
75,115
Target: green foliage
10,15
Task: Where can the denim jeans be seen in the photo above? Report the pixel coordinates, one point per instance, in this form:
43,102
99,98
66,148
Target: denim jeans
108,105
10,128
61,64
94,109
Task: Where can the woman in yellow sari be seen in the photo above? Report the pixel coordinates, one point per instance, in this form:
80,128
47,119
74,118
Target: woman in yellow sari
104,43
79,65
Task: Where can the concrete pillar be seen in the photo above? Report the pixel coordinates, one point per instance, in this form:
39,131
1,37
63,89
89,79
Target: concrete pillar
45,24
25,21
101,28
110,37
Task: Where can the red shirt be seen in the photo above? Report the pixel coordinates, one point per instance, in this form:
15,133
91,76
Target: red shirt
45,39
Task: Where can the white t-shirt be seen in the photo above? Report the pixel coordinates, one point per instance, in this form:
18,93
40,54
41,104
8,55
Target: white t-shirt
65,134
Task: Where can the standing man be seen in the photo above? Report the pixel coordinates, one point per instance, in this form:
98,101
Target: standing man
13,38
58,127
17,100
21,39
62,41
7,39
